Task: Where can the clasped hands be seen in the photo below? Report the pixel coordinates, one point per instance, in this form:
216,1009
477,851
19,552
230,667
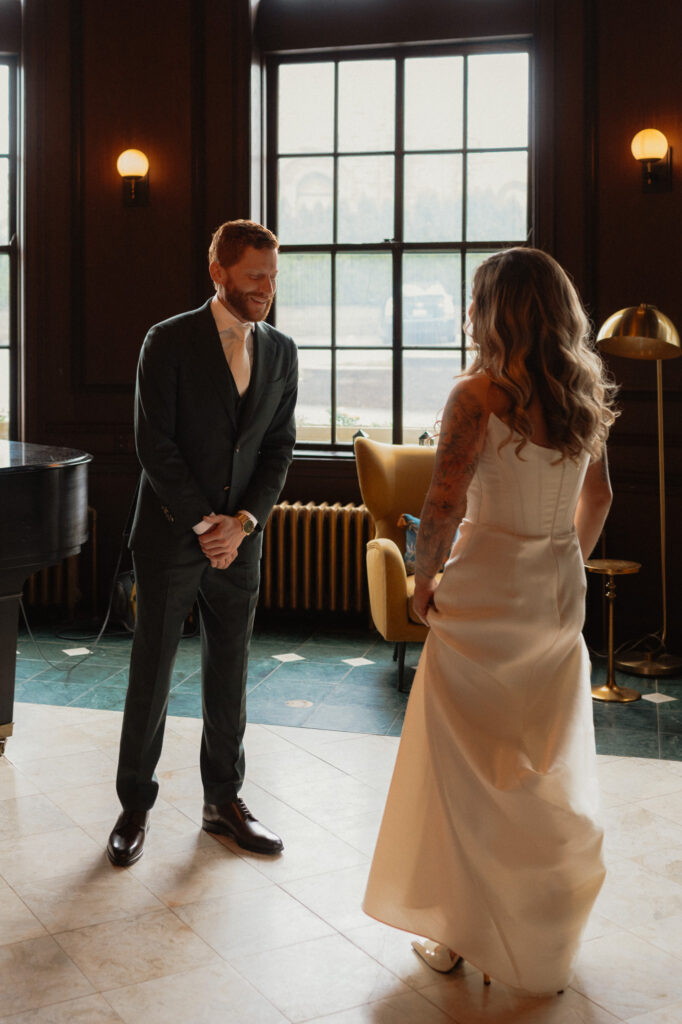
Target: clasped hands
221,543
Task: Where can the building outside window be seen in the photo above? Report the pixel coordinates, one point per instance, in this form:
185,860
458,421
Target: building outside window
391,177
8,224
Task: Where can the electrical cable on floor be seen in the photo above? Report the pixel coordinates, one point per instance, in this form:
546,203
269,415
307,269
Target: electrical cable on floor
74,664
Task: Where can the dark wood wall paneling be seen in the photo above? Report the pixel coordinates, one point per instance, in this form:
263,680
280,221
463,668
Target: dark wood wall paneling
10,26
179,83
638,84
100,78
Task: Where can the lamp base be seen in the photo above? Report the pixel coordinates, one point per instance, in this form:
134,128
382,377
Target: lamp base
650,663
619,694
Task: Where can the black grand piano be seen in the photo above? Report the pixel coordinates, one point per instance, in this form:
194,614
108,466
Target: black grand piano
43,519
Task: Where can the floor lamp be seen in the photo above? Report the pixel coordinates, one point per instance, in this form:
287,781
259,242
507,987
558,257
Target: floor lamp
643,332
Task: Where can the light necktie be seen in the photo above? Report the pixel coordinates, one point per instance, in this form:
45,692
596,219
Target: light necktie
237,355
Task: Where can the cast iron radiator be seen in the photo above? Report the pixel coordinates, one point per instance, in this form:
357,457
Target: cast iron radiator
314,557
59,587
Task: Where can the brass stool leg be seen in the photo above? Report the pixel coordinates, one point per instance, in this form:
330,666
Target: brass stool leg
611,691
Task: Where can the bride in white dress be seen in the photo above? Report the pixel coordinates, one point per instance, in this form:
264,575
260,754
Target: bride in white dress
490,843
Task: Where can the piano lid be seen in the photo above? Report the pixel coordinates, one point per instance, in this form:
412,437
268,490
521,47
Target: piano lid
20,457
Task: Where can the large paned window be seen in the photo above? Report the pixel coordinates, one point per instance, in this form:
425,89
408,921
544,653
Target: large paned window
8,226
391,177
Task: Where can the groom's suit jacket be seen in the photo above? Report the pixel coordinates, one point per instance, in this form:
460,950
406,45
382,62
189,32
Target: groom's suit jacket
201,447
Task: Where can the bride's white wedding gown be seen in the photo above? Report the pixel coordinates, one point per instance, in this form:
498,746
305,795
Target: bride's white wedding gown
489,841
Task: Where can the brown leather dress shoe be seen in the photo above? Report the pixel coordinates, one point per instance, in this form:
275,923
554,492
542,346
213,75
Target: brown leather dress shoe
236,821
126,842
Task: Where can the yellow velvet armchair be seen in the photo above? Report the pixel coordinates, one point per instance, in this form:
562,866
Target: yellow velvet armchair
393,479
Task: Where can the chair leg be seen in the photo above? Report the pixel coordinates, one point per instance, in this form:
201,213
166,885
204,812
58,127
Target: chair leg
395,651
400,654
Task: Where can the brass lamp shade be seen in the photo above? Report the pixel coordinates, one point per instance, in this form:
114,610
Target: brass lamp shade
640,332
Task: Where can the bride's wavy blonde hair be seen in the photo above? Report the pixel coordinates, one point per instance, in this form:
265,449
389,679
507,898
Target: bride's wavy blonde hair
532,336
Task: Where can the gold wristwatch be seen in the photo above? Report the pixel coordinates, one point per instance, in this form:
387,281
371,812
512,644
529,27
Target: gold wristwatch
247,522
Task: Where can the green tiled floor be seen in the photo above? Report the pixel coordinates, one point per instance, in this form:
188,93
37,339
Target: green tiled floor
321,691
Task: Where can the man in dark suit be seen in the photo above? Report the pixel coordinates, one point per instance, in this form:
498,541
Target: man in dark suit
214,429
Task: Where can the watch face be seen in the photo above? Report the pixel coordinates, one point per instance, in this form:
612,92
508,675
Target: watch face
247,524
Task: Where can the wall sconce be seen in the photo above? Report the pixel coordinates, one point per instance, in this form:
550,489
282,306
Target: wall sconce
651,148
133,166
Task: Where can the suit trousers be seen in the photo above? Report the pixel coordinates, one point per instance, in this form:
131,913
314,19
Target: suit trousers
227,601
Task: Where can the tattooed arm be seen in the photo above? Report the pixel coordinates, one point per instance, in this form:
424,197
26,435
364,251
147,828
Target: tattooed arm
593,505
459,446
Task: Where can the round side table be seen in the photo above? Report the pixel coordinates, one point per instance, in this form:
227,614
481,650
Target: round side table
609,568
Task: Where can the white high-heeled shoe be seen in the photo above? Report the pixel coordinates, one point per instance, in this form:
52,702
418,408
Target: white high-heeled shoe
439,957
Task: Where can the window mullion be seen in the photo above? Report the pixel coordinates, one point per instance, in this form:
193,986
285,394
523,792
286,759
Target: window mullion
398,251
335,228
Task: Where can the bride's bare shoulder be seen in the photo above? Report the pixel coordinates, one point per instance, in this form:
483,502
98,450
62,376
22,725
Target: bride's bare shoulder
472,391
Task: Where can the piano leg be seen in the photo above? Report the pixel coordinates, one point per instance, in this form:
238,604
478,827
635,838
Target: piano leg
12,583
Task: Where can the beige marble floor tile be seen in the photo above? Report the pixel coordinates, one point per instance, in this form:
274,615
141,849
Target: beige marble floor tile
360,832
171,832
36,973
33,743
411,1008
88,1010
136,949
310,979
103,730
44,716
17,923
308,850
336,896
632,896
12,782
469,1001
208,995
102,894
54,774
290,771
336,805
181,784
31,815
190,728
195,874
627,976
668,806
632,830
62,852
597,926
89,803
252,922
633,779
274,813
668,1015
370,759
309,739
178,752
665,861
259,739
392,949
665,933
